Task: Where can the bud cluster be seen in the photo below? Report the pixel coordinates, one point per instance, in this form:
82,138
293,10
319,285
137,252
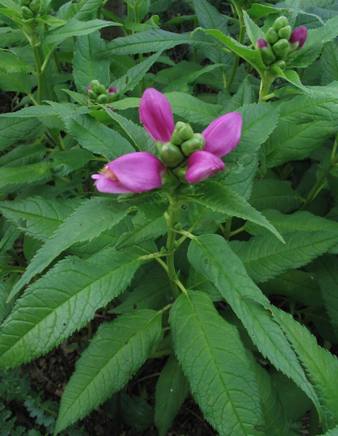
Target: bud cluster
99,94
182,144
280,40
31,9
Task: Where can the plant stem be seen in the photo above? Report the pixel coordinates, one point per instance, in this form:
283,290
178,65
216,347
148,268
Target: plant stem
240,39
38,67
171,221
264,90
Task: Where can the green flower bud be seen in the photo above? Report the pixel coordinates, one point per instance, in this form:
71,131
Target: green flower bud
182,132
267,55
277,66
195,143
94,83
180,173
112,97
285,32
26,13
281,48
102,99
25,2
280,22
171,155
35,6
271,35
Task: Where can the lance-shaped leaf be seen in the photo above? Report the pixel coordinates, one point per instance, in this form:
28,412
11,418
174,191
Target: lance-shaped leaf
93,217
320,365
171,390
63,301
218,369
117,351
223,199
212,257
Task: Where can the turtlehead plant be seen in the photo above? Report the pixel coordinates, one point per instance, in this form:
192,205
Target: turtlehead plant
168,226
190,157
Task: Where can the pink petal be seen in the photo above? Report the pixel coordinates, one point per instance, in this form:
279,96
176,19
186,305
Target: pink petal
104,184
223,134
261,43
156,115
202,165
138,172
299,35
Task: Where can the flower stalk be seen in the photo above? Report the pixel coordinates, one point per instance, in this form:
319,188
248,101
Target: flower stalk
170,217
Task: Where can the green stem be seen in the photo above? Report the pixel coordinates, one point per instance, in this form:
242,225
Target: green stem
38,67
171,238
264,90
239,13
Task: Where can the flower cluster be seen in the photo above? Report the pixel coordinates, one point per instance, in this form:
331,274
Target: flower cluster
31,8
280,40
191,156
98,93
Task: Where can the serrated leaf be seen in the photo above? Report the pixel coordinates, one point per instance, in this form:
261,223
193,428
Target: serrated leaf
16,130
63,301
171,391
36,216
135,74
117,351
86,63
75,27
12,178
97,137
326,273
274,193
209,17
144,42
207,254
193,109
89,220
320,365
11,63
254,32
222,199
216,365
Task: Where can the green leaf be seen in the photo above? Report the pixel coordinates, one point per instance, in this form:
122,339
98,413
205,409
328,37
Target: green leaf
75,27
135,74
97,138
145,42
13,131
136,134
254,32
216,365
306,237
11,63
208,254
89,220
86,63
223,200
11,178
171,391
23,154
63,301
209,17
36,216
305,124
274,193
117,351
252,56
320,365
326,273
193,109
332,432
88,9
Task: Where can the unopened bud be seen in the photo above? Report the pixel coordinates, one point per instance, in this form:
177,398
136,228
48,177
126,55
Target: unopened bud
171,155
271,35
35,6
281,48
280,22
26,13
195,143
102,99
299,36
267,55
182,132
261,43
285,32
278,66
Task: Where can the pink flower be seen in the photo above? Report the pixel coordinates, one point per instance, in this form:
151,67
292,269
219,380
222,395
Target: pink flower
261,43
202,165
156,115
223,134
299,36
112,90
133,172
